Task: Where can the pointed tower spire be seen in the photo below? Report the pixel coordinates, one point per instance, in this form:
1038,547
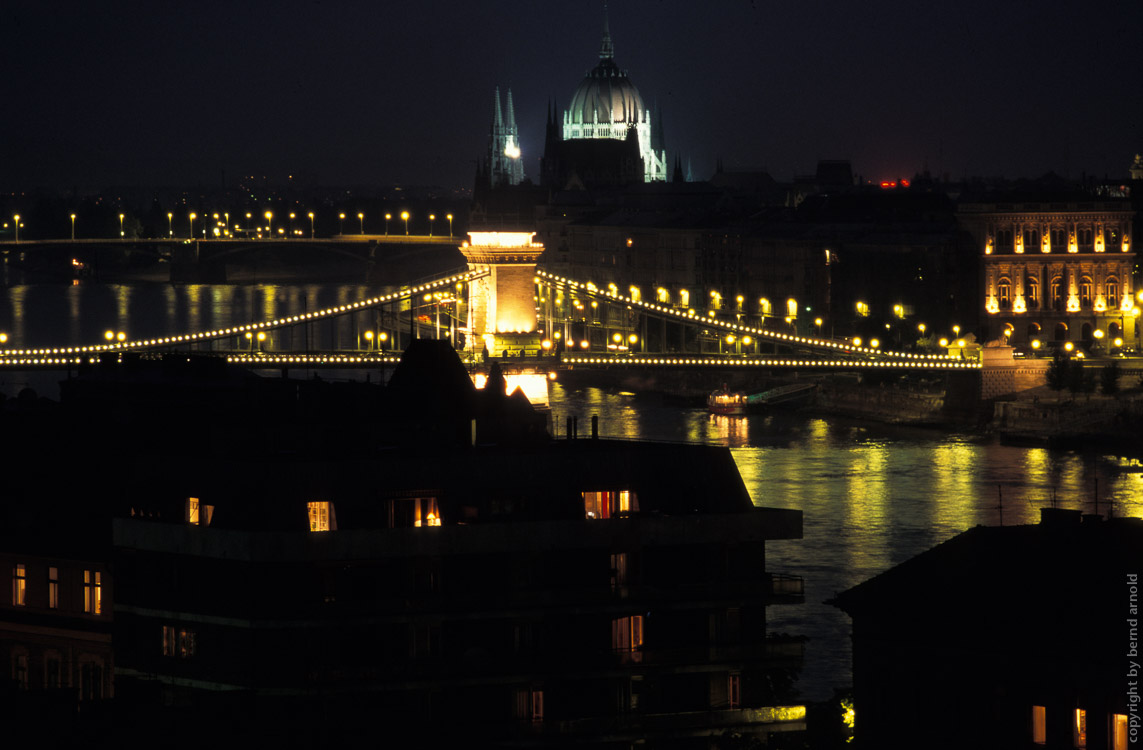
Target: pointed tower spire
606,48
511,115
498,119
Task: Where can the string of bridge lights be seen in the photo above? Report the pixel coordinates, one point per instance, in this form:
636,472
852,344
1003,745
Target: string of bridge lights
75,354
907,358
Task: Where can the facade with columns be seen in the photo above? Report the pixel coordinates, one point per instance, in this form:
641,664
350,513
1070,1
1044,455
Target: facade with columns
1057,271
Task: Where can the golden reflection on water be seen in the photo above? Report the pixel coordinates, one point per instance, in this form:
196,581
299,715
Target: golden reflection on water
951,504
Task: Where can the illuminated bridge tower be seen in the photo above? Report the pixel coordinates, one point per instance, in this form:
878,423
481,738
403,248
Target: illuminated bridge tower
502,304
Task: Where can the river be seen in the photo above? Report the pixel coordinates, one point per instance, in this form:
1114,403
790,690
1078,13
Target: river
872,496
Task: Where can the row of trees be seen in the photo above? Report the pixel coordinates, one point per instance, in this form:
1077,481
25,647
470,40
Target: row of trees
1067,373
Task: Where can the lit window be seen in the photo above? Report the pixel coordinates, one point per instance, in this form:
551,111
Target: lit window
92,592
322,517
627,635
426,512
537,706
1039,725
168,640
734,690
53,588
192,510
1119,732
608,504
19,585
1079,728
187,644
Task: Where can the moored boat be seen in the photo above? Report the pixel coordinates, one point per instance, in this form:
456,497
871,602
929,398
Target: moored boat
727,402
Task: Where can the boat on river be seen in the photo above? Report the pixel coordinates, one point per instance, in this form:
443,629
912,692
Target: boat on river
727,402
736,403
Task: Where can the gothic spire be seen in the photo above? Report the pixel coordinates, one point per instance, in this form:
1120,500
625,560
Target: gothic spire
606,48
511,114
497,118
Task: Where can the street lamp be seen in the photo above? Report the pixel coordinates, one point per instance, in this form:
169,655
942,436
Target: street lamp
311,215
432,220
405,216
73,227
361,218
193,216
341,223
449,217
270,224
121,226
369,340
387,217
16,218
170,224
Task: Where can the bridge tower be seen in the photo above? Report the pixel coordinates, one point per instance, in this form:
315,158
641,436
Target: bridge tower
501,304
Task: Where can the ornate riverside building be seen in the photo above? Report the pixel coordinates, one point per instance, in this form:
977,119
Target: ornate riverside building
1057,269
606,106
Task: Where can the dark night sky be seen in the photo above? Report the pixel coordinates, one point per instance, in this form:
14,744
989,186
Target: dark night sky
351,92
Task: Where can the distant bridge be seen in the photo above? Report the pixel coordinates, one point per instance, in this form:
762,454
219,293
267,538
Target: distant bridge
582,325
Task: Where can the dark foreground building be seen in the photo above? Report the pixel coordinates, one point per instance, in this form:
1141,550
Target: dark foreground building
1003,637
459,580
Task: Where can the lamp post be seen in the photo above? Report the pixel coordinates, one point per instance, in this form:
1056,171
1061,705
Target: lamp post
361,219
270,224
170,224
341,223
16,220
193,216
387,217
405,216
121,226
449,217
311,215
432,220
73,227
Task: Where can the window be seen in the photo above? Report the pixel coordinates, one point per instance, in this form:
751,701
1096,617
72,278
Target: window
322,517
530,705
91,681
608,504
734,690
619,571
425,640
1039,725
52,671
414,512
1112,293
1005,289
92,592
426,512
1085,291
20,670
187,644
192,510
168,641
537,705
1055,288
627,635
1033,288
19,585
1119,732
1079,728
53,588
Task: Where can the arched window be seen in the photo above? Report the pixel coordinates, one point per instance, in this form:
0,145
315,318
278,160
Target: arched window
1004,292
1061,333
1059,239
1084,238
1085,291
1056,291
1033,331
1112,287
1031,239
1032,292
1004,241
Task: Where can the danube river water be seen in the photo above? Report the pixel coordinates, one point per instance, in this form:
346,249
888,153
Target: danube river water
872,496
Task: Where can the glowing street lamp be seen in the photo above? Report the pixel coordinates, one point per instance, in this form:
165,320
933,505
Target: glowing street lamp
405,216
449,217
432,220
270,223
387,217
311,215
341,223
193,216
170,224
369,340
361,219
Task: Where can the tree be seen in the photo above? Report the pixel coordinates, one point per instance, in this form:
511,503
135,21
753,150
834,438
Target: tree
1109,379
1059,371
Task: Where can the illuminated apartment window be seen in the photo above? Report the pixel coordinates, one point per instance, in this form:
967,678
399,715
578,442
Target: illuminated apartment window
1039,725
426,512
627,634
92,592
734,690
192,510
53,588
1079,728
19,585
619,571
1119,732
609,504
322,517
168,641
537,706
187,644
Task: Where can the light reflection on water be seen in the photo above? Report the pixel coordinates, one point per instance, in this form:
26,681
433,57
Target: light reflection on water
872,496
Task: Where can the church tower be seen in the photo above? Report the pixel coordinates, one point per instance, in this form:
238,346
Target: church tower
504,163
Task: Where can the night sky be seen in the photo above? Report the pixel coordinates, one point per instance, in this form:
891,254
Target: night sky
158,93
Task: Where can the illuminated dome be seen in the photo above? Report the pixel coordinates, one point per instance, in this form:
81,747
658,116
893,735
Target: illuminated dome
606,95
606,105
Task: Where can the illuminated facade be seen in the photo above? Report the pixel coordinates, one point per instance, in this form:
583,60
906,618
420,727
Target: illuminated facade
607,106
1056,271
504,162
502,301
